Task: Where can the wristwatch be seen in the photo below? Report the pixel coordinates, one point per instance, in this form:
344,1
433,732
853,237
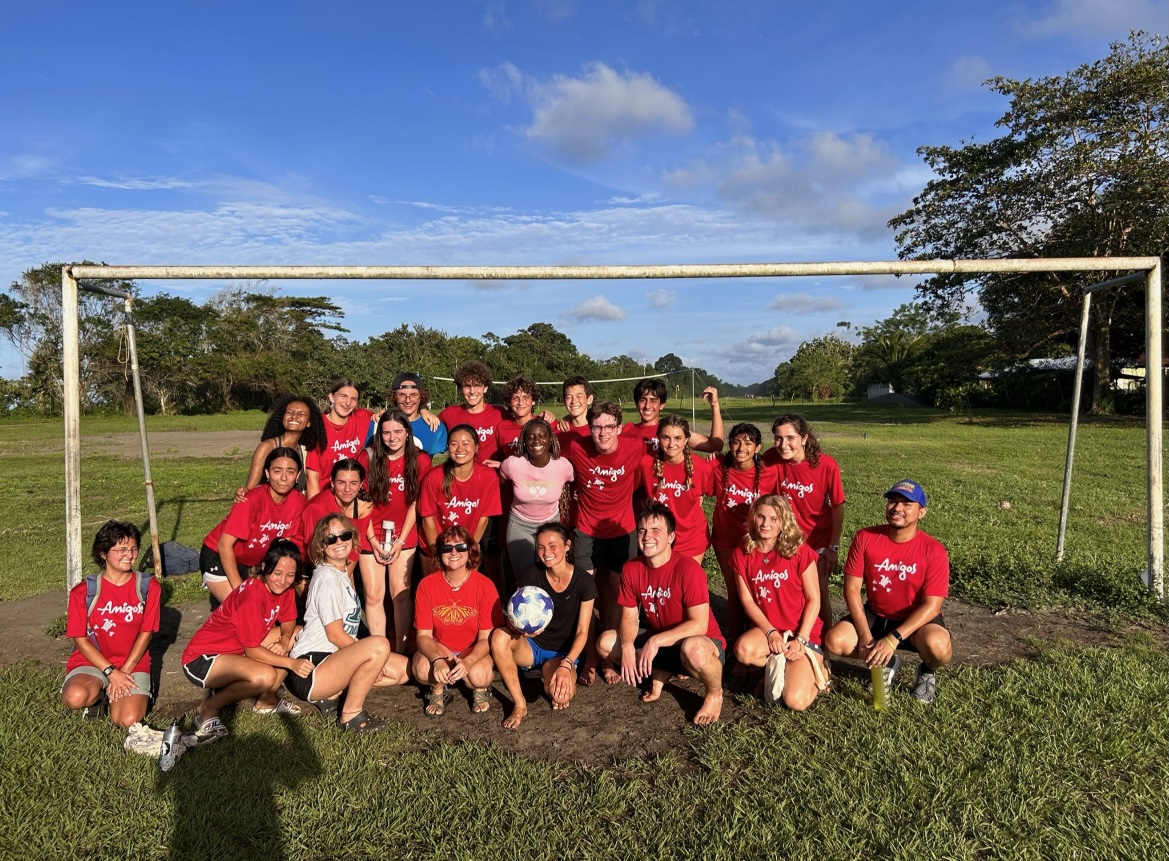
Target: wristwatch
108,671
803,641
897,635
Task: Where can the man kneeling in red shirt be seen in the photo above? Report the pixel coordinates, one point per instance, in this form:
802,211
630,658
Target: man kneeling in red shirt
906,575
681,636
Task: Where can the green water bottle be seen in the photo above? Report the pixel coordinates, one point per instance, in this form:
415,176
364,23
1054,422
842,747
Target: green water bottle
879,691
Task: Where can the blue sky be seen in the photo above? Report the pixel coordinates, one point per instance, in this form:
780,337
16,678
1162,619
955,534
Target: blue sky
530,132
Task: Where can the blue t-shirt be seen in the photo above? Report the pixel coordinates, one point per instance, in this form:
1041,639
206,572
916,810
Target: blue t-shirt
430,441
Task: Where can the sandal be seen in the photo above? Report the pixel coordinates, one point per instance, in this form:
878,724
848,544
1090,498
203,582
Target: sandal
210,730
480,701
436,702
361,723
284,707
328,708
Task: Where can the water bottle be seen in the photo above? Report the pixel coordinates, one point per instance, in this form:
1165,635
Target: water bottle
879,691
388,544
168,754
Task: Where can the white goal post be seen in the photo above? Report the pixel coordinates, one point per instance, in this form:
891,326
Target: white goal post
1149,267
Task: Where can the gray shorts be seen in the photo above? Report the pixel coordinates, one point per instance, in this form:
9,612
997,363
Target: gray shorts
609,554
141,680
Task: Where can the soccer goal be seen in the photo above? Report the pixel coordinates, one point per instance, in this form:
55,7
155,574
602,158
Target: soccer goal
1141,268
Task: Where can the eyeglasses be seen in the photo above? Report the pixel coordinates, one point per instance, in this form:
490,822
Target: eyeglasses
340,536
123,551
461,547
603,428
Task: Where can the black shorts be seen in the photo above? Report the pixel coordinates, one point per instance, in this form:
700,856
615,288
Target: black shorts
489,546
669,658
303,688
196,670
881,627
610,554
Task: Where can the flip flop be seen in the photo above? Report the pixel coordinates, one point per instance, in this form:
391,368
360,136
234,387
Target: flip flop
284,707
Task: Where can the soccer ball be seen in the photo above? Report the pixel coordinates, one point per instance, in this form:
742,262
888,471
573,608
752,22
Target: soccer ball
529,610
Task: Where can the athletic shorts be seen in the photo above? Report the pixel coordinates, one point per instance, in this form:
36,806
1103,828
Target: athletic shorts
669,658
198,669
489,546
303,688
141,680
542,656
211,566
611,554
881,627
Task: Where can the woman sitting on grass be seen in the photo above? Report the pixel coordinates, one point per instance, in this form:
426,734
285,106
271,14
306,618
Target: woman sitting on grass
557,649
329,639
110,625
294,422
237,651
270,511
780,592
455,611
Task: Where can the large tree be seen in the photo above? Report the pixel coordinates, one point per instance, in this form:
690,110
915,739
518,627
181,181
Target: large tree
1082,170
819,370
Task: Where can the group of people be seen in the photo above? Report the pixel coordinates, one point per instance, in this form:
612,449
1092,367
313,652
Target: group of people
344,515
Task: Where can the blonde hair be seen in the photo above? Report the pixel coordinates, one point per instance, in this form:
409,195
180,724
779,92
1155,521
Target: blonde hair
316,544
790,537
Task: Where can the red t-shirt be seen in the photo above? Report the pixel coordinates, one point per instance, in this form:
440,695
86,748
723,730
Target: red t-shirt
470,500
507,439
486,424
691,536
896,575
648,434
777,587
242,621
395,509
735,491
325,503
341,441
605,485
117,618
812,491
566,438
663,594
456,616
257,521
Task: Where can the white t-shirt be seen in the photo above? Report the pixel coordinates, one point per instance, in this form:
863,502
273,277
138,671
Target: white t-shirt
330,597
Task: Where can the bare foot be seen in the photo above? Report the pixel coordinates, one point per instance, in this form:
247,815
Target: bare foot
588,675
651,695
513,720
712,707
611,676
559,707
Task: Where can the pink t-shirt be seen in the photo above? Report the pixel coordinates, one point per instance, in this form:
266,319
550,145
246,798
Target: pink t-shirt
536,490
897,575
663,594
777,587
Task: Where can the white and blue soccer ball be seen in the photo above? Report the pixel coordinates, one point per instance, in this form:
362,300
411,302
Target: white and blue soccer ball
529,610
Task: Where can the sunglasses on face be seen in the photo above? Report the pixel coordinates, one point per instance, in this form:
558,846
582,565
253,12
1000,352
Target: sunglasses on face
453,548
340,536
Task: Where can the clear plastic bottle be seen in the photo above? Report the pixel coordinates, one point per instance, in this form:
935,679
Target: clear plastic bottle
168,754
388,544
880,700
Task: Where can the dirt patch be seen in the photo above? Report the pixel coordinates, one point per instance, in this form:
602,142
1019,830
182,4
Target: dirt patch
164,444
604,724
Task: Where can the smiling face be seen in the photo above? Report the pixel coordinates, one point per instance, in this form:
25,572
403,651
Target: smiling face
452,558
473,394
902,513
537,442
343,401
577,402
281,474
790,444
282,576
461,447
296,417
337,554
766,524
394,436
649,407
121,556
673,443
606,433
743,451
654,537
550,549
408,398
521,404
346,486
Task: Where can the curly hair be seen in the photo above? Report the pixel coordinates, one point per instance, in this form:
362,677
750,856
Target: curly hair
379,471
111,533
673,421
317,544
521,383
553,447
459,534
790,537
812,448
472,372
312,437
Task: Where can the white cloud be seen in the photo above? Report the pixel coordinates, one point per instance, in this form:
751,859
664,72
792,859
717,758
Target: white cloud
968,73
760,348
495,17
140,184
803,303
555,10
662,299
581,119
1092,19
630,200
596,308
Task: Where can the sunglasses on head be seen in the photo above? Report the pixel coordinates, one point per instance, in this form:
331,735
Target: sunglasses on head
340,536
462,547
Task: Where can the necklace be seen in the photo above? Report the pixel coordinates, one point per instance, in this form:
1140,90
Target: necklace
452,586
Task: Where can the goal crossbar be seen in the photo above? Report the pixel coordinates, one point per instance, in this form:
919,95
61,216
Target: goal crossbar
1150,267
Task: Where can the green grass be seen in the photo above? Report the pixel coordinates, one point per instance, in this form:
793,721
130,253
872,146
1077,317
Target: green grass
1062,757
968,464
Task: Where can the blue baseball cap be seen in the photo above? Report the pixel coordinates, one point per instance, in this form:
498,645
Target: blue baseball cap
908,488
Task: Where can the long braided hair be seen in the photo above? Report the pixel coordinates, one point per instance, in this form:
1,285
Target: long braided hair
812,448
554,452
379,455
673,421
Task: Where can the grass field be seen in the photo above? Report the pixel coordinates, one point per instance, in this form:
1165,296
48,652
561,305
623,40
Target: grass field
1060,757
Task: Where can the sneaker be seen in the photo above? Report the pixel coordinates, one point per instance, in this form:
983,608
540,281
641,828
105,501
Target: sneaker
925,684
890,674
210,730
144,740
98,710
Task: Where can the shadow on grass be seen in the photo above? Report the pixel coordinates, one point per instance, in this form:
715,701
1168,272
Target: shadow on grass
226,794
